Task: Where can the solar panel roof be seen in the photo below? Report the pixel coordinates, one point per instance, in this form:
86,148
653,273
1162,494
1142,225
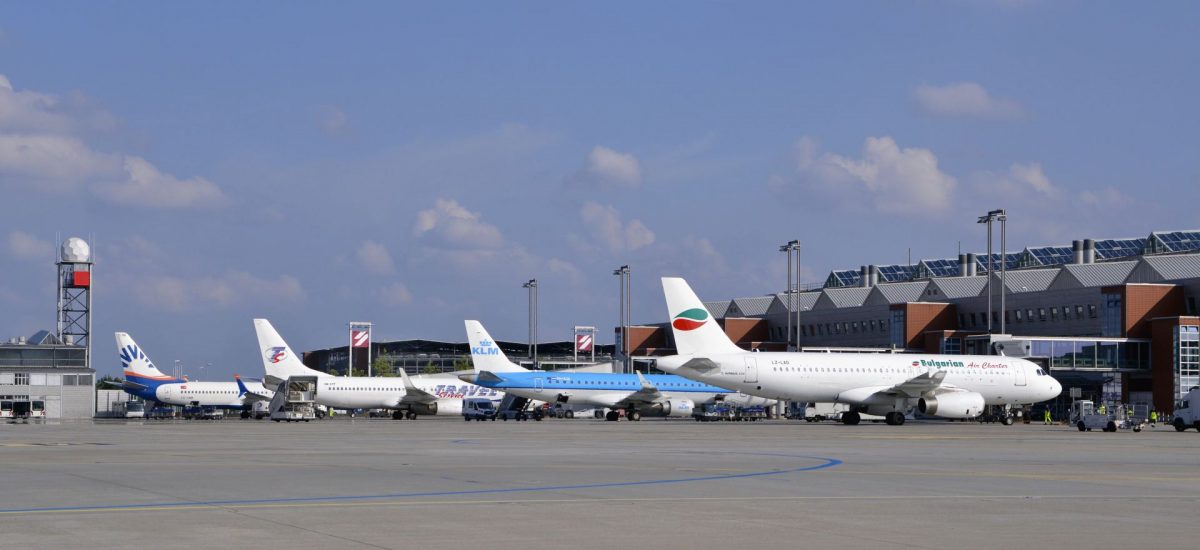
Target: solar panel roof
1012,261
896,273
1109,249
1175,241
937,268
845,277
1051,255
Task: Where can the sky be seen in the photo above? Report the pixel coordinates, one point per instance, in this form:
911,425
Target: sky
412,164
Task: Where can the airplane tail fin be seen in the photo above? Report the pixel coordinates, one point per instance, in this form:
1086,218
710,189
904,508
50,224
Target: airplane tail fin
135,361
695,330
278,359
485,354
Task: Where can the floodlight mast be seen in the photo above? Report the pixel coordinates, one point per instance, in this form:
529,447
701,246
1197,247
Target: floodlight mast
1002,217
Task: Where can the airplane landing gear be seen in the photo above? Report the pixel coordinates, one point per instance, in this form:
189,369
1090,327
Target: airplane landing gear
612,416
410,415
633,415
851,418
397,415
894,418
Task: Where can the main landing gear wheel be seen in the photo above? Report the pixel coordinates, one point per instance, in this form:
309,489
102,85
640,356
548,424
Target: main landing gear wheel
397,415
851,418
895,419
1007,421
633,415
410,415
613,416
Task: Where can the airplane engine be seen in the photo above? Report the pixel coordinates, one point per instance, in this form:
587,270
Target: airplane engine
952,405
672,408
424,408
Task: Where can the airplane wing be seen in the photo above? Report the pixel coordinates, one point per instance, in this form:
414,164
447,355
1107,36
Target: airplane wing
247,395
648,394
413,393
916,386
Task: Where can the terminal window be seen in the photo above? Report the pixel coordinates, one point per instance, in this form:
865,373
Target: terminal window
21,378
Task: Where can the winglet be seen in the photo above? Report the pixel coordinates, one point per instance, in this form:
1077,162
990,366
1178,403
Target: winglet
646,385
242,391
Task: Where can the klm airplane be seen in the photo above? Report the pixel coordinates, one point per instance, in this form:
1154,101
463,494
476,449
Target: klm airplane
638,394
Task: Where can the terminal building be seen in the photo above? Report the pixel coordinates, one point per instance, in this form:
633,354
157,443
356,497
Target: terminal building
1116,318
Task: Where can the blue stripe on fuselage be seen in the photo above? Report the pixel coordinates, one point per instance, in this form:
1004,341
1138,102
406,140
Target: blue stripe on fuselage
597,381
152,384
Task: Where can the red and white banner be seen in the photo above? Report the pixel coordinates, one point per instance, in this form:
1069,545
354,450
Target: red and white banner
583,342
360,338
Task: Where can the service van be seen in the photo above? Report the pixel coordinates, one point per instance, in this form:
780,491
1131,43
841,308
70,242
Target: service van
1187,414
478,408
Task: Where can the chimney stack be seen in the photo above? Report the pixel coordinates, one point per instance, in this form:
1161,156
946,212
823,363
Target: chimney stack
963,270
1089,251
972,265
1077,248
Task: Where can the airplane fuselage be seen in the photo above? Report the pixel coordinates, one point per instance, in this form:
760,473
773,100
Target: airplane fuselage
834,377
597,390
360,392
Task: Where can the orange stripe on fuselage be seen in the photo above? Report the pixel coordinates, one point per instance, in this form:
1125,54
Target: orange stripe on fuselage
147,377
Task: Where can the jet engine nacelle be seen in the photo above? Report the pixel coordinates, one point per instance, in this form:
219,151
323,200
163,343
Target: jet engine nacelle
424,408
672,408
952,405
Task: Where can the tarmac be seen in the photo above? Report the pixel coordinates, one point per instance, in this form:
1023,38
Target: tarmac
566,484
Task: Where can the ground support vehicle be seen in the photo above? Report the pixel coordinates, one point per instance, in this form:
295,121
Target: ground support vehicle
1187,414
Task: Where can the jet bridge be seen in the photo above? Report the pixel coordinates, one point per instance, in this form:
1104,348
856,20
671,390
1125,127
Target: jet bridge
295,400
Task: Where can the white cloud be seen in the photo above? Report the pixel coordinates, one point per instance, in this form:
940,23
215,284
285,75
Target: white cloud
1021,180
374,257
448,224
964,99
608,167
610,232
333,121
395,294
1108,197
50,163
39,151
888,178
28,247
144,185
234,288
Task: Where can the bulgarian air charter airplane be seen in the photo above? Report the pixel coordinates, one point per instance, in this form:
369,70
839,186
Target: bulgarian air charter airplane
638,394
144,380
948,386
405,396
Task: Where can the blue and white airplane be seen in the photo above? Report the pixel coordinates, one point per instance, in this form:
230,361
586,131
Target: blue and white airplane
144,380
638,394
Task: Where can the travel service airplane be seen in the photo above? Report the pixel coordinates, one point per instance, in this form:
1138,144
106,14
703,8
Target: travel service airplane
948,386
406,396
638,394
144,380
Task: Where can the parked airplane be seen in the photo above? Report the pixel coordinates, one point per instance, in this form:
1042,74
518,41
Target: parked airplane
949,386
144,380
638,394
406,396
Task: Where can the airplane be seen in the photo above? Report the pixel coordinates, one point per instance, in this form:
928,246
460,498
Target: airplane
947,386
638,394
144,380
406,396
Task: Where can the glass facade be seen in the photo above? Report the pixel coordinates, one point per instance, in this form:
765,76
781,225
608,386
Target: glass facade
1187,360
1093,354
898,323
1111,324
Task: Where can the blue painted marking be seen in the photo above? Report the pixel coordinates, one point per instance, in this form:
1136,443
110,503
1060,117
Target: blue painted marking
597,381
825,463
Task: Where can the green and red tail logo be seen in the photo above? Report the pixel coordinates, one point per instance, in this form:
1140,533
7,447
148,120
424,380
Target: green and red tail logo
691,319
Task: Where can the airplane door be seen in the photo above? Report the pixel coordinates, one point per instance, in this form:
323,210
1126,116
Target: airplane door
537,384
1019,373
751,369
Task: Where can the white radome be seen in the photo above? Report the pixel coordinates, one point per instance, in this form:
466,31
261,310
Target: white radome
76,250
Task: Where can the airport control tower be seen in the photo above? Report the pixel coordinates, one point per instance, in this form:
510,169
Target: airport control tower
75,295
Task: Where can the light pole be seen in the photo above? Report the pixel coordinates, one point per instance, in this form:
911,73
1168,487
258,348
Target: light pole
532,286
626,315
793,289
1002,217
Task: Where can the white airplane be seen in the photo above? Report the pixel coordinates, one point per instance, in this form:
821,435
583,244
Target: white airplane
144,380
948,386
638,394
406,396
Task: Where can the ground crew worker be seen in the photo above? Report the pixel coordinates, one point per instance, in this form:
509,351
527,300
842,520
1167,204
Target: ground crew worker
1153,418
1047,416
1102,409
